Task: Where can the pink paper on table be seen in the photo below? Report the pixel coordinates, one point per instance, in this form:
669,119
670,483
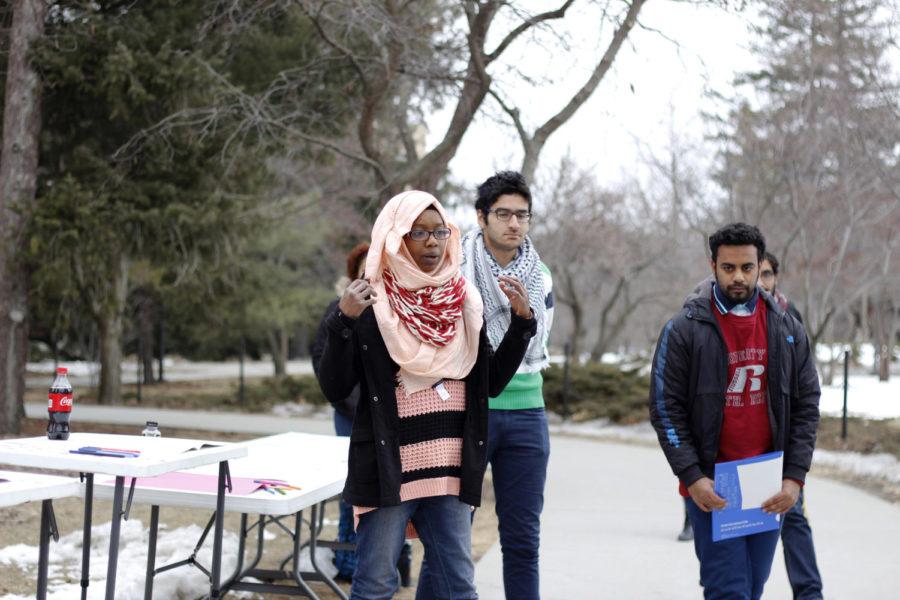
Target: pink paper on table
193,482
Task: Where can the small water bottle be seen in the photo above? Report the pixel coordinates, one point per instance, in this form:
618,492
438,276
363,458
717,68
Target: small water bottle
151,429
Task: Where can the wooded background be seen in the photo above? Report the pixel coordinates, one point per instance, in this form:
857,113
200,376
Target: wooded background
187,176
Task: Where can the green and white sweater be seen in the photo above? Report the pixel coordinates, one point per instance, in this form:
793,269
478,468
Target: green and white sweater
525,390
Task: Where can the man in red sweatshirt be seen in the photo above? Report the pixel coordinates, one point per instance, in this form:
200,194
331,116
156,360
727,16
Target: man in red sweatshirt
733,377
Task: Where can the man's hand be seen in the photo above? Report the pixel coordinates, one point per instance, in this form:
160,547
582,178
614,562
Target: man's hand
358,295
518,297
783,501
703,493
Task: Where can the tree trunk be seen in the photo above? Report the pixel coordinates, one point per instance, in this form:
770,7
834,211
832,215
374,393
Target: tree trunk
145,312
161,337
18,179
111,322
887,335
278,345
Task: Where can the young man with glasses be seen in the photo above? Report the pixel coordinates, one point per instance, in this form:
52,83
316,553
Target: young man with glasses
796,534
518,440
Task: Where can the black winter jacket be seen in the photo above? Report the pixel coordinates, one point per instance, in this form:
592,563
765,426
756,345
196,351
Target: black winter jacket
355,353
689,378
347,405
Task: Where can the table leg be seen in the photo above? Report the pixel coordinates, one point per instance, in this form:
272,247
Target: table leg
114,538
240,556
216,569
298,546
151,552
47,531
86,537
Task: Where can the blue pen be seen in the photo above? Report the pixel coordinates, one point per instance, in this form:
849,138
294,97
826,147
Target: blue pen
102,453
101,450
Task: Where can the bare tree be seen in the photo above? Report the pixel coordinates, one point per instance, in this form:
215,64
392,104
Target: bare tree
612,254
18,177
533,143
405,59
813,164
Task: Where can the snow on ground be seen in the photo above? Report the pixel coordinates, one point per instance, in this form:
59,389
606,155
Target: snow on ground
177,584
40,374
877,466
304,411
866,397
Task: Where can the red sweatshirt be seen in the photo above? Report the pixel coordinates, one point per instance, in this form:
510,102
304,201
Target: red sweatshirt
746,430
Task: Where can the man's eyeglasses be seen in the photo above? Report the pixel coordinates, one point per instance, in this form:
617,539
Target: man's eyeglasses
504,214
420,235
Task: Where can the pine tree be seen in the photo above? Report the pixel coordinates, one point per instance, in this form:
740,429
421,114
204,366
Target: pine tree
810,147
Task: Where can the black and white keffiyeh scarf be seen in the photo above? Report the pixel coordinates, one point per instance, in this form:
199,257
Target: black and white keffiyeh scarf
480,267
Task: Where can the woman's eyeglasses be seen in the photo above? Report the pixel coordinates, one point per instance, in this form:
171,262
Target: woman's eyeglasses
420,235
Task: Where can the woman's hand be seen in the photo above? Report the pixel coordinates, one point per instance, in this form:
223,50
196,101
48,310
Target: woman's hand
358,295
518,297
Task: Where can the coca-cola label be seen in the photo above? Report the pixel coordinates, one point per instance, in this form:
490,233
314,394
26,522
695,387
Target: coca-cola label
60,402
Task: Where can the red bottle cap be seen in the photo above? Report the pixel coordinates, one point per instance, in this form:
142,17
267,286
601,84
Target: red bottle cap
62,371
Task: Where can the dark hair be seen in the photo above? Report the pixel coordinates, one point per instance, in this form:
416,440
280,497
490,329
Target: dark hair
773,261
502,182
356,256
738,234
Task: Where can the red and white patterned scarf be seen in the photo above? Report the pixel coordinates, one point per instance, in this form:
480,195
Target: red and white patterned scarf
430,313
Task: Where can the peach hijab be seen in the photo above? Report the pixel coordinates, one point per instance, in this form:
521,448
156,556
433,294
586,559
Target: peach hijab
421,364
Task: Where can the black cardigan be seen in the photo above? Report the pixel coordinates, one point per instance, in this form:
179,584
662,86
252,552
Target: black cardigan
355,353
345,406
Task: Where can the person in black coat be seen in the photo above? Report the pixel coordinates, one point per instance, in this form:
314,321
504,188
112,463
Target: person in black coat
796,534
411,335
733,377
344,409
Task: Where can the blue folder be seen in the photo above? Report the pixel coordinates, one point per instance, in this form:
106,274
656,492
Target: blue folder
732,521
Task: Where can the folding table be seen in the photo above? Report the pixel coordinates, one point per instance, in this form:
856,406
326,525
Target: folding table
17,487
317,464
156,456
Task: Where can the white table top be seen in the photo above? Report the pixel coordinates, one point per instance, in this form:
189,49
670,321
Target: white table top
317,464
157,455
17,487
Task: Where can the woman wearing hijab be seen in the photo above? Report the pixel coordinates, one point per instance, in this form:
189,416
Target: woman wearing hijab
411,334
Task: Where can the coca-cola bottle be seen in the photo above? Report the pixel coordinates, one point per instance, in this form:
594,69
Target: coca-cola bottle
59,406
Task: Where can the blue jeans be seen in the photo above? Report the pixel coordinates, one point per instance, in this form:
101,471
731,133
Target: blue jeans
734,569
444,525
800,554
519,450
344,560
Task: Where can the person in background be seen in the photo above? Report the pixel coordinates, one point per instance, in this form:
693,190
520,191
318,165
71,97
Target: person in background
733,377
411,334
344,409
519,439
796,534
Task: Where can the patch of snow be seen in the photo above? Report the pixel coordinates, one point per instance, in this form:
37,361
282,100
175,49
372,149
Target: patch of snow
876,466
866,397
86,372
178,584
306,411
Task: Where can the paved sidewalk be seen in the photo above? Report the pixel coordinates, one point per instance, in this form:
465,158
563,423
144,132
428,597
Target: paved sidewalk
611,516
612,513
187,419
